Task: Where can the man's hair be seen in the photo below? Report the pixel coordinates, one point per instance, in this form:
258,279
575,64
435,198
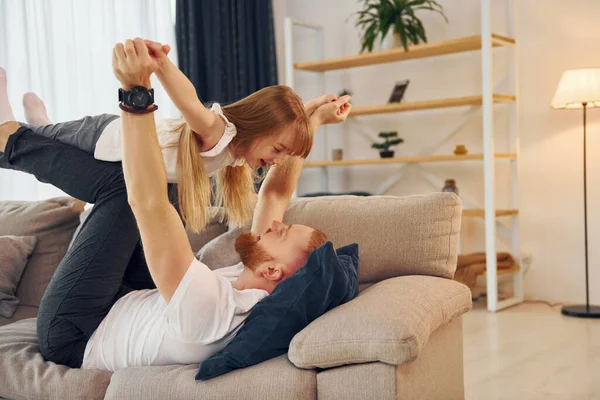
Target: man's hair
317,239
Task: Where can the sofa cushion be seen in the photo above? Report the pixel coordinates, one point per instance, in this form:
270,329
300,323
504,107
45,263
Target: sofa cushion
25,375
388,322
275,379
52,222
324,282
14,252
413,235
214,228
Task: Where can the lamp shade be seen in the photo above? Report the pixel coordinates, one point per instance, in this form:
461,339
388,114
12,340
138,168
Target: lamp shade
578,86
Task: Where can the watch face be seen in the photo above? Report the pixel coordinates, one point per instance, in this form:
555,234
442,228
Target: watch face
139,99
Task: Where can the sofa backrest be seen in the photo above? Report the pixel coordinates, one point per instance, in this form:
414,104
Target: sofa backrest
53,223
413,235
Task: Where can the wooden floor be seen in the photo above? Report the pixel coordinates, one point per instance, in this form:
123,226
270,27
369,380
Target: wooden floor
530,352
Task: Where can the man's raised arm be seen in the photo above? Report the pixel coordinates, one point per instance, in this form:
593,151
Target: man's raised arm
166,247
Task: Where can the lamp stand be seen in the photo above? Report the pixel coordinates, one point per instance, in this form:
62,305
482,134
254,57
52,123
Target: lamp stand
584,311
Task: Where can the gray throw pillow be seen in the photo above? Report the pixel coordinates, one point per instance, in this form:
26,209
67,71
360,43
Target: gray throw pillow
220,252
14,252
52,222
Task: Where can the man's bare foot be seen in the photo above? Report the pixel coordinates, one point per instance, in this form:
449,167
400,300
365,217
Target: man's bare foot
6,113
35,110
7,129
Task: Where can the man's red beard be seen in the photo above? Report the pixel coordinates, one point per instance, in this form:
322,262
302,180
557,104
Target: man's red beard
250,251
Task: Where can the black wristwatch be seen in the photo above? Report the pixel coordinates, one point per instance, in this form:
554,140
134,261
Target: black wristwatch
138,98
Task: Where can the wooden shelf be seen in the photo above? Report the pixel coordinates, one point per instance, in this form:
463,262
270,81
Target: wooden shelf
428,105
401,160
452,46
481,213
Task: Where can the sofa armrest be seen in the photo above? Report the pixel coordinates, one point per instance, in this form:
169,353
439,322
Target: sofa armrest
388,322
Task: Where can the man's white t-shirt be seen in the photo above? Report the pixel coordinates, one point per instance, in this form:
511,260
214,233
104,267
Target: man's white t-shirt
110,147
203,315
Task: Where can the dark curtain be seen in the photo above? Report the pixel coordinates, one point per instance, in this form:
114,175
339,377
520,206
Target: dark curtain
226,47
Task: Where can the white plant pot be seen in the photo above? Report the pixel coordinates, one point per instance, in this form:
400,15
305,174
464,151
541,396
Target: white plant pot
391,41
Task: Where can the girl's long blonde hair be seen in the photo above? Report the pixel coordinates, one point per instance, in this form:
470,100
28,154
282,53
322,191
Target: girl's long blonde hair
267,112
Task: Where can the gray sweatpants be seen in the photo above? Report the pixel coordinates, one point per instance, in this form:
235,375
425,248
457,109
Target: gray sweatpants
82,133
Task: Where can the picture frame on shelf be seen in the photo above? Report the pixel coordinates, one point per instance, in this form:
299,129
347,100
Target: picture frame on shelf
398,91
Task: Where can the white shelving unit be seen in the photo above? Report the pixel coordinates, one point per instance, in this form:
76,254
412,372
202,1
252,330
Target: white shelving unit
486,101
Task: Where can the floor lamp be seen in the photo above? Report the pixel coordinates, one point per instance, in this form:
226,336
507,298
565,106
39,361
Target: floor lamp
580,89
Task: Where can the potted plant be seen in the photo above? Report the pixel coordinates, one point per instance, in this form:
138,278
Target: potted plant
391,139
378,17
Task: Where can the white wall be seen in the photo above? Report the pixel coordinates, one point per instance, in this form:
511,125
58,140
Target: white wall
552,37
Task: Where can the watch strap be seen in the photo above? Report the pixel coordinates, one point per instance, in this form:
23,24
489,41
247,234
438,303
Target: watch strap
132,110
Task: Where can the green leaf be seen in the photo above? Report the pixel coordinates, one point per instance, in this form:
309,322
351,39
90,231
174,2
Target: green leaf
400,31
411,12
369,38
370,43
411,34
387,144
416,3
421,30
365,18
374,8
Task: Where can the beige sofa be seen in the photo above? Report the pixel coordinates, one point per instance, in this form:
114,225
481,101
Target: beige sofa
401,338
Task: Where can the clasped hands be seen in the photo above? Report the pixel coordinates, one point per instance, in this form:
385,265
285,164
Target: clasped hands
136,60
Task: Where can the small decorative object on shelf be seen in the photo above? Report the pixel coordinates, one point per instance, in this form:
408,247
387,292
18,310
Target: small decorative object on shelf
398,91
384,148
460,150
450,186
337,154
378,17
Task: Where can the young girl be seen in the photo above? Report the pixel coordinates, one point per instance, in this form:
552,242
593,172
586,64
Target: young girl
227,142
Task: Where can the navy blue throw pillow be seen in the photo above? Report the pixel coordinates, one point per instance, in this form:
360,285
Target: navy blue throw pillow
323,283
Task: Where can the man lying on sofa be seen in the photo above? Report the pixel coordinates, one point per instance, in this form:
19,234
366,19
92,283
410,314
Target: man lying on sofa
90,317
